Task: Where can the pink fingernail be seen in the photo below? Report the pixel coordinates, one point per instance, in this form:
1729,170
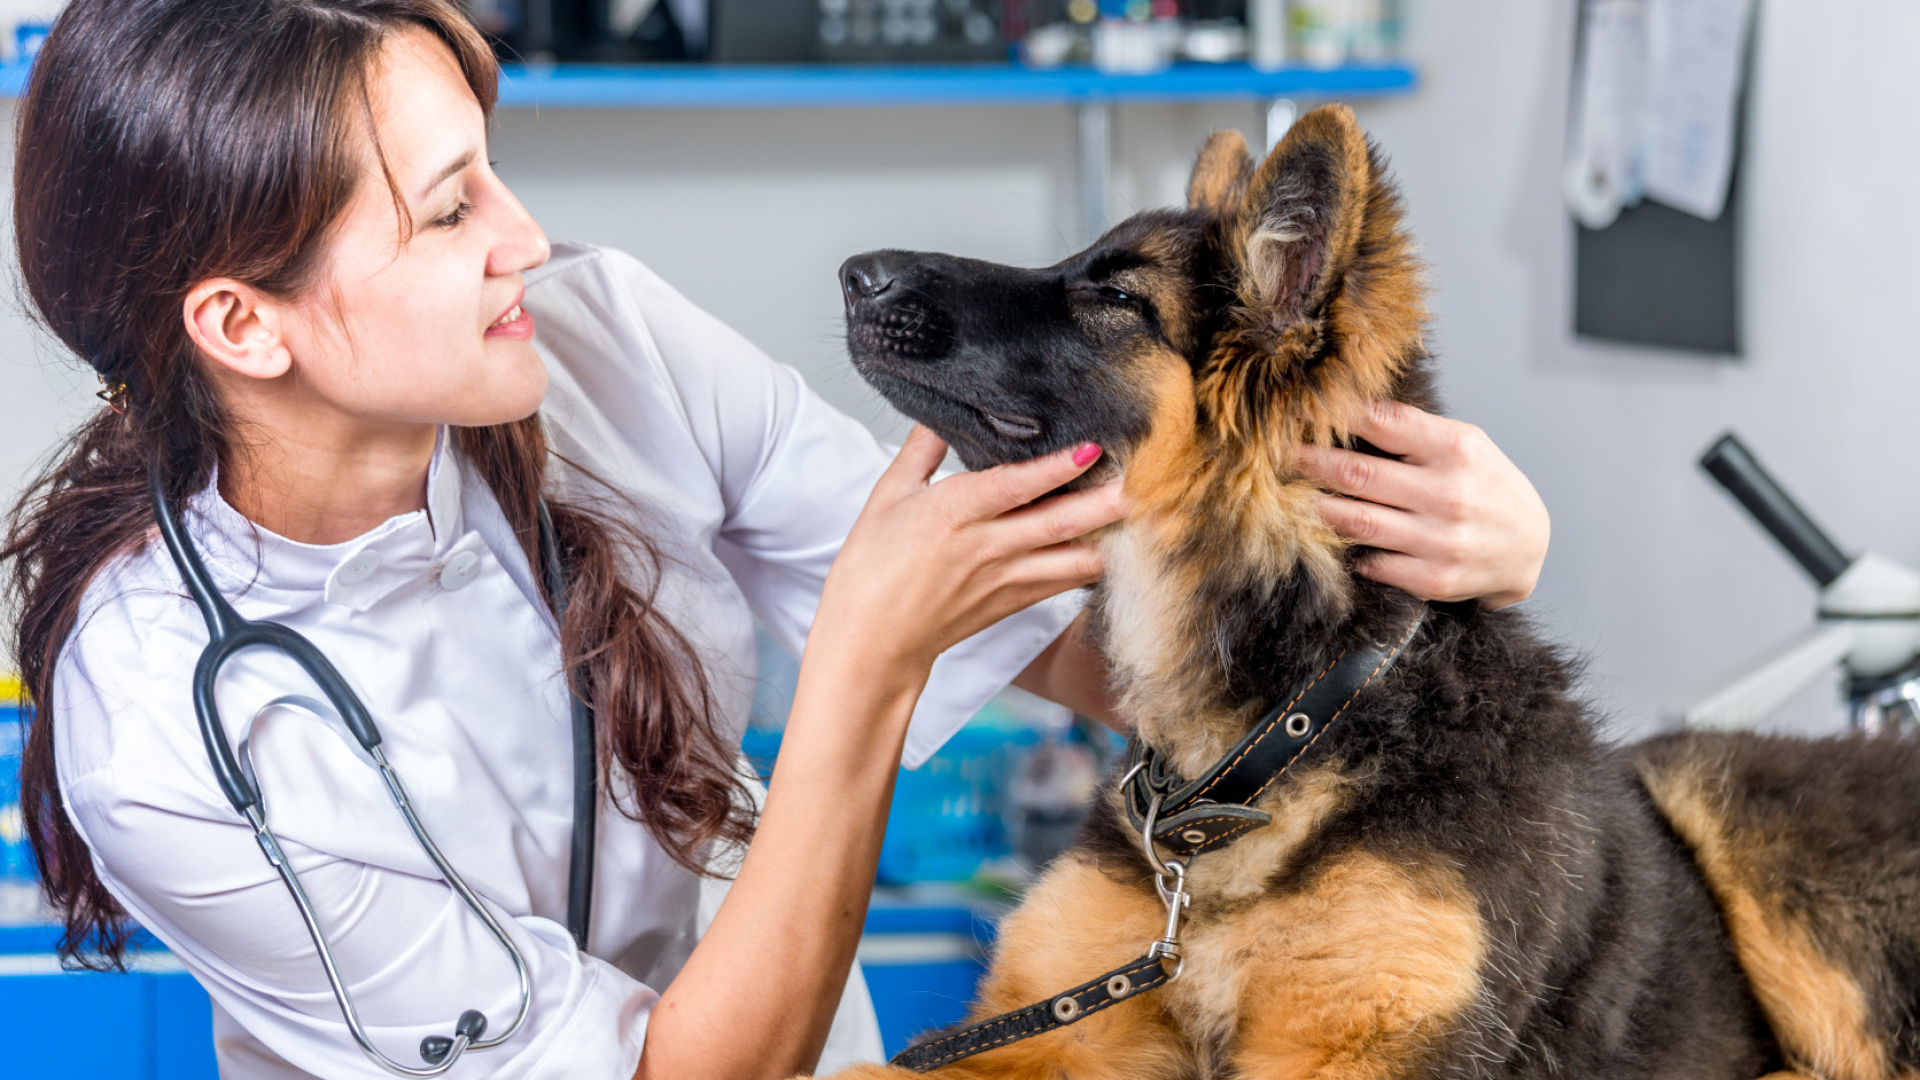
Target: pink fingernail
1085,455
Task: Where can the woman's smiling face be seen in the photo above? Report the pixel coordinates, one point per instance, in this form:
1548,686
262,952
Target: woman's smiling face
415,318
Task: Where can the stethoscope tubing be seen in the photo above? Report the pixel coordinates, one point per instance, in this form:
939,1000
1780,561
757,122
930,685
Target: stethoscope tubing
586,773
229,633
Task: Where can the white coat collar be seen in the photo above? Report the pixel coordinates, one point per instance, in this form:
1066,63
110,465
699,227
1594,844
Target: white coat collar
356,573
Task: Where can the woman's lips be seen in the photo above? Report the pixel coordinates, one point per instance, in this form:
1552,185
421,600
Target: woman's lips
515,325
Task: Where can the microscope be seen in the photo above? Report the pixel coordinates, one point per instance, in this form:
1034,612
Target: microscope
1867,621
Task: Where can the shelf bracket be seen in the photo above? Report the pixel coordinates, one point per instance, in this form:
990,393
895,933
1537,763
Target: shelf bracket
1096,165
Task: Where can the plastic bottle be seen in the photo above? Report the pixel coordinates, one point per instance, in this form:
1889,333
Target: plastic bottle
19,893
1374,34
1267,34
1322,31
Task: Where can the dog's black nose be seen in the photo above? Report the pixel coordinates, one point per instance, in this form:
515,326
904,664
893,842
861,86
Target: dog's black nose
864,277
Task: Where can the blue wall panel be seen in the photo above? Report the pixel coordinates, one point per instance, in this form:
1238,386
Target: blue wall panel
182,1029
96,1026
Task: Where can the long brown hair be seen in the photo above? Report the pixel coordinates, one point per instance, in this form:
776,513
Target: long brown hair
163,143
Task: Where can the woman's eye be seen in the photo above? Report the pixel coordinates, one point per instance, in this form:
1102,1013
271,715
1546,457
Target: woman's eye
459,215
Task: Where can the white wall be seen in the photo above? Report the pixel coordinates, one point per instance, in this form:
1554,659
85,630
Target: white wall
1654,574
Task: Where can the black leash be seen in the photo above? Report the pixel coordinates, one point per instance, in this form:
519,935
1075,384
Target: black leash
1136,977
1187,817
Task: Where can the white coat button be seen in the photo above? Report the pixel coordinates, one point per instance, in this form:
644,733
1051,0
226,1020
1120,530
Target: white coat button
359,568
459,570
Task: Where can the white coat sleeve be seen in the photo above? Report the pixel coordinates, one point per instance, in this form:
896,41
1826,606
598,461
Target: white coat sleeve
186,866
794,473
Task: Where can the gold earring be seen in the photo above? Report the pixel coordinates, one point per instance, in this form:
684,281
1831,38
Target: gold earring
114,394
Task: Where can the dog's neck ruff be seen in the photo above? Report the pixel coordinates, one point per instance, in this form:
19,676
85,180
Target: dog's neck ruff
1199,816
1191,817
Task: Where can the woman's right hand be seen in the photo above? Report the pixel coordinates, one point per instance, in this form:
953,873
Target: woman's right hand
929,564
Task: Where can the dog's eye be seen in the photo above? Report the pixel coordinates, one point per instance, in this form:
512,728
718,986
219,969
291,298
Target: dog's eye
1117,295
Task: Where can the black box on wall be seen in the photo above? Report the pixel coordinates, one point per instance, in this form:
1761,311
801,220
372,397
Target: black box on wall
578,30
762,31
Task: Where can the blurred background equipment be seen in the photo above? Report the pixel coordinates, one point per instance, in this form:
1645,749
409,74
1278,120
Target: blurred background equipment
1867,621
896,31
1122,36
19,894
991,808
543,31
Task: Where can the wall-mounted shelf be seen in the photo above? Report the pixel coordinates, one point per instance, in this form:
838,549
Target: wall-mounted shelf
1092,94
762,86
817,86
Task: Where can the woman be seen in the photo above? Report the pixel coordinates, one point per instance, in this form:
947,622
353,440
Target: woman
270,226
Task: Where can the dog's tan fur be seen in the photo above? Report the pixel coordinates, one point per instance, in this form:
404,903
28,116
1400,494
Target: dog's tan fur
1378,959
1815,1004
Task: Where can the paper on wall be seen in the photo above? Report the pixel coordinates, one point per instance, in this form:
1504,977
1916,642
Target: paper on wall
1696,48
1609,120
1656,88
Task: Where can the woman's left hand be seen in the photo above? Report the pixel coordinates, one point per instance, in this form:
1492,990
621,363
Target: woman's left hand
1452,519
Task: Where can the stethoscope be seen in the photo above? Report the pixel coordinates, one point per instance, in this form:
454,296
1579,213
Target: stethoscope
227,634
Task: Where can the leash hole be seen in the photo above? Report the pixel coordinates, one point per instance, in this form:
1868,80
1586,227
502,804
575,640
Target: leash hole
1194,836
1298,724
1065,1009
1119,986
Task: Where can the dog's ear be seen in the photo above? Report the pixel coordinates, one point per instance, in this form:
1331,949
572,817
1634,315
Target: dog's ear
1303,215
1329,311
1221,175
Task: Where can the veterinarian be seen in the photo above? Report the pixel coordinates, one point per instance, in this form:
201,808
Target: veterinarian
271,229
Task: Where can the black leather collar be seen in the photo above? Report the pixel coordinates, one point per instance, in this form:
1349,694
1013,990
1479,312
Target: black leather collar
1190,817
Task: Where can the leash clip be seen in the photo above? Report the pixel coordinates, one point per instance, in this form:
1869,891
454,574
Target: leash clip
1176,898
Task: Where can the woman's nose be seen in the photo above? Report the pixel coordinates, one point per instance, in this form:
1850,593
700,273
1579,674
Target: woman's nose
522,245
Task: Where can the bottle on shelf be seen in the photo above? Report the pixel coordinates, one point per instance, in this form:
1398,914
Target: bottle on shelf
1267,34
19,890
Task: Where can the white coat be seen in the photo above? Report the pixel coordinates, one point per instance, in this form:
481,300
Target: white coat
745,479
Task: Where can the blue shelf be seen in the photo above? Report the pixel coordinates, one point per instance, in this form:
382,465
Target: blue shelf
818,86
702,86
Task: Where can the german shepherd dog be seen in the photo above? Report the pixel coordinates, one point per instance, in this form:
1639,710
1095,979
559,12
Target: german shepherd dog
1462,879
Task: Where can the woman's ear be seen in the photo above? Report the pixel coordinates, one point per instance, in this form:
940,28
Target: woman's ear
238,328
